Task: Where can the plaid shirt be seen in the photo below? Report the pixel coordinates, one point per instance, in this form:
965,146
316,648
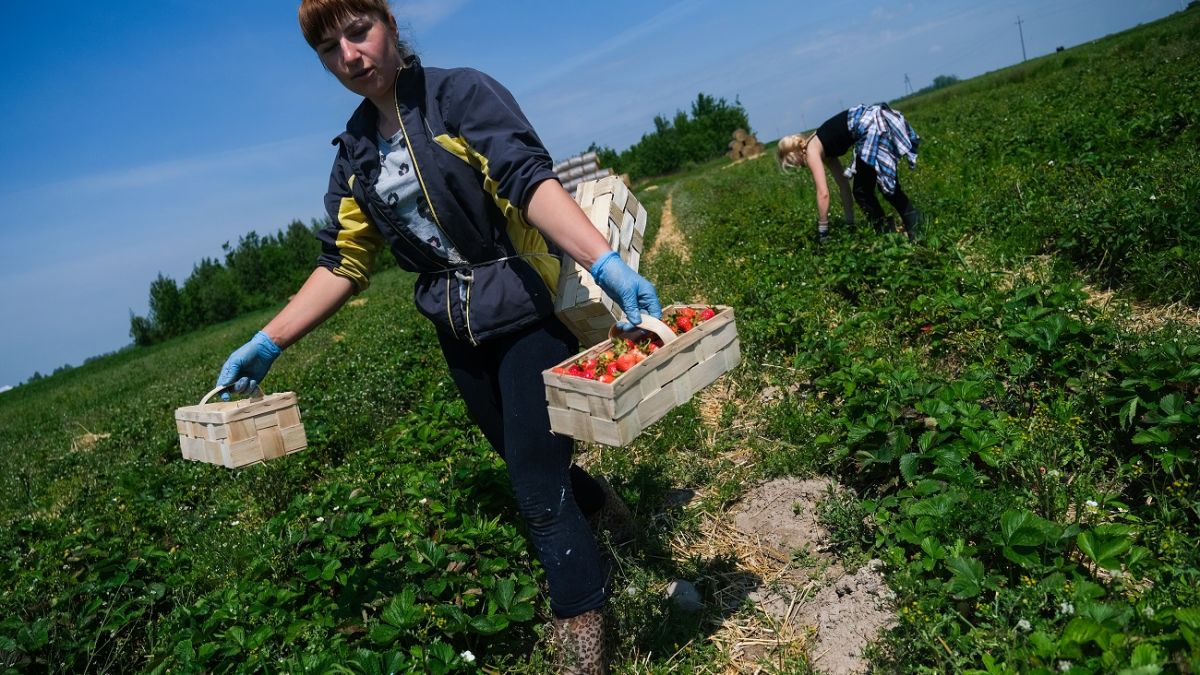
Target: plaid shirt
882,136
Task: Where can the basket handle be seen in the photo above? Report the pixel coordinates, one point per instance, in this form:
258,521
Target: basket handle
257,392
650,324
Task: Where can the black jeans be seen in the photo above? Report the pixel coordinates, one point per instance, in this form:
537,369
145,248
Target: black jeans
865,181
501,382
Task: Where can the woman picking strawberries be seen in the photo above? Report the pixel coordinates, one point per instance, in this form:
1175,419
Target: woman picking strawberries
880,136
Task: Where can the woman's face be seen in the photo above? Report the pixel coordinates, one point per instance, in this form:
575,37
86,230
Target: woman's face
362,54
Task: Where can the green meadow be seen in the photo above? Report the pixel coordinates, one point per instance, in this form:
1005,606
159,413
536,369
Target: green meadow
1011,405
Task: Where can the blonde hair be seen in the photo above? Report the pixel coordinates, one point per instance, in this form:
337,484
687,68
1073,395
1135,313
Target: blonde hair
790,153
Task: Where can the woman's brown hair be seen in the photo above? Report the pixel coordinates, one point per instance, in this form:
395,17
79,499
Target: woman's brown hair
320,17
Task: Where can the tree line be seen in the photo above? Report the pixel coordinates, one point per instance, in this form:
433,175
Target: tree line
687,139
258,272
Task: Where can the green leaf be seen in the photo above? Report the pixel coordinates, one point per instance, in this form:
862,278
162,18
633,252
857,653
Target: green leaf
488,625
1152,436
1022,559
933,548
522,611
1104,550
1083,630
1146,655
383,634
908,466
1020,528
403,611
1128,412
506,589
1189,616
967,577
1043,645
385,552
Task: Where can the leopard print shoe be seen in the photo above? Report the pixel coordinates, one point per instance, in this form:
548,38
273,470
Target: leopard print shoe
614,517
581,644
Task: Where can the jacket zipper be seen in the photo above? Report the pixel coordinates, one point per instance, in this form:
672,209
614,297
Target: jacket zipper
433,212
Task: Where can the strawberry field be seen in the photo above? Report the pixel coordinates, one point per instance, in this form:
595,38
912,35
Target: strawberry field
1011,406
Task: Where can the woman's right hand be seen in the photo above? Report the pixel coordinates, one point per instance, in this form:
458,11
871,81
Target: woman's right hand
248,364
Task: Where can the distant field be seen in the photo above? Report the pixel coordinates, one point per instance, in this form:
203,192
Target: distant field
1011,406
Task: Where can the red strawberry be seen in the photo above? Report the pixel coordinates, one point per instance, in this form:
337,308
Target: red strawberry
575,370
707,313
606,378
560,370
627,360
687,311
684,323
611,369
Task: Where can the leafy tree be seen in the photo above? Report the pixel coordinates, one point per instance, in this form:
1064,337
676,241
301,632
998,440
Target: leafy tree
166,308
939,82
257,272
211,294
685,139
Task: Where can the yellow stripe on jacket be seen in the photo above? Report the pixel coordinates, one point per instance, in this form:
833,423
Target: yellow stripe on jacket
358,241
525,237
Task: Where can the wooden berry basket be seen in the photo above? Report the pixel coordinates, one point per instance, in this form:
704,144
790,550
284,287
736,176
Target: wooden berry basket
617,214
615,413
234,434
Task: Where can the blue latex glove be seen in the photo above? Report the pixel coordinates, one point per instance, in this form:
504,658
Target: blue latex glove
248,365
628,288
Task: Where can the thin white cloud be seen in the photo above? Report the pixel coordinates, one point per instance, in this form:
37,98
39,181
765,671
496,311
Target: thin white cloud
824,43
666,18
175,170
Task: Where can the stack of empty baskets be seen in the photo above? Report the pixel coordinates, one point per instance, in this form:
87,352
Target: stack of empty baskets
580,169
617,214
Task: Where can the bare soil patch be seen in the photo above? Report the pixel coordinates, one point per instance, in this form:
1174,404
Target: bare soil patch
810,594
805,604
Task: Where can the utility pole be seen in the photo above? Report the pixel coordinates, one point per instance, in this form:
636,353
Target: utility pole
908,88
1022,38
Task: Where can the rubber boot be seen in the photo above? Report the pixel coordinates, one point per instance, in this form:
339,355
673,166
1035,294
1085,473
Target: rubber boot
581,647
913,220
884,225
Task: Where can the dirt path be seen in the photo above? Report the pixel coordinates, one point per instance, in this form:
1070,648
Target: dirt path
669,237
805,602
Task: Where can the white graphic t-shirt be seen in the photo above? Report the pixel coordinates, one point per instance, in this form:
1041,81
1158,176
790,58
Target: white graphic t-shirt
399,188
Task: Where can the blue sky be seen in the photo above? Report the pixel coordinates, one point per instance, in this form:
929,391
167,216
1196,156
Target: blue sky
138,137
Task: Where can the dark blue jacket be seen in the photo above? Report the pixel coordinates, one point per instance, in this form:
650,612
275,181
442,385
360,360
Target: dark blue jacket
478,161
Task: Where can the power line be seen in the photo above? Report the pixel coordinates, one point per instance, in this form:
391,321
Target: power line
1022,38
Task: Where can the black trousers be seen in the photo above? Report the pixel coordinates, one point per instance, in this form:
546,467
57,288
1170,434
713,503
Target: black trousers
865,184
501,382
